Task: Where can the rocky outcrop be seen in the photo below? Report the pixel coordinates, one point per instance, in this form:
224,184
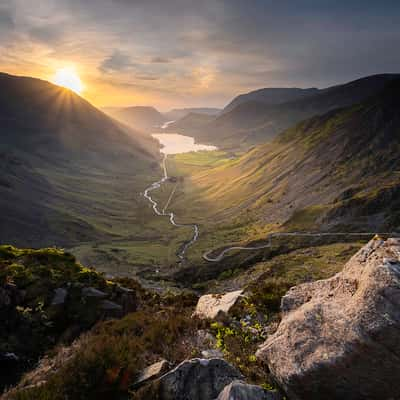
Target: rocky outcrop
196,379
339,338
153,371
93,292
238,390
60,295
212,306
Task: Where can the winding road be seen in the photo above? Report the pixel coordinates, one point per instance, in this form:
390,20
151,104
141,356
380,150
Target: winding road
222,254
156,185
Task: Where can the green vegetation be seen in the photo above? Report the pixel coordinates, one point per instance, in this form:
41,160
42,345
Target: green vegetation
33,322
108,360
105,362
188,163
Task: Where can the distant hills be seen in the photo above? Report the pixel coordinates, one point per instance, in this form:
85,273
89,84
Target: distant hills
140,117
178,113
190,122
259,116
65,167
337,171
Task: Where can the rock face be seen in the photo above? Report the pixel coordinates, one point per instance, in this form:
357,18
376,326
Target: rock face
215,305
196,379
340,337
241,391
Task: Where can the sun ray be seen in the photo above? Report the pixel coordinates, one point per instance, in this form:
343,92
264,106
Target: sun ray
68,78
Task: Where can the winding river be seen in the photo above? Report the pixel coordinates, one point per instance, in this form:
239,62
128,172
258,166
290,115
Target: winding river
173,143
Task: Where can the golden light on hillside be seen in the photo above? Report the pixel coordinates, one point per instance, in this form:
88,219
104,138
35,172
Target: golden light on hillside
68,78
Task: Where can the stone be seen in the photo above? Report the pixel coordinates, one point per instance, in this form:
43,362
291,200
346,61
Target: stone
110,306
60,295
205,339
196,379
238,390
212,353
129,302
212,306
124,290
111,309
152,372
339,337
93,292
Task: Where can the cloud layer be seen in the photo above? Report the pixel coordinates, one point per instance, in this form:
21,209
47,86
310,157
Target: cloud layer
203,52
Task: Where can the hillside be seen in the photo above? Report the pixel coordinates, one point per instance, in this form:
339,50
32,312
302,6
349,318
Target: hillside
178,113
255,122
270,96
338,171
60,160
142,118
190,122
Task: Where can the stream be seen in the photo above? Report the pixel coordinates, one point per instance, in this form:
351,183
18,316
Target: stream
174,144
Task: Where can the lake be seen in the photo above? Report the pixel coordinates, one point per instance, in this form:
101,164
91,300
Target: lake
173,143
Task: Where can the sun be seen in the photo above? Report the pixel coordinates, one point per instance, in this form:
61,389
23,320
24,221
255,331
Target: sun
68,78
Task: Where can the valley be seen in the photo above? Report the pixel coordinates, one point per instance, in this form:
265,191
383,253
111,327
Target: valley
199,200
161,218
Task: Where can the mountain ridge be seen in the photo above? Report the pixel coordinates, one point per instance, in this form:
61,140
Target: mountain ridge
255,122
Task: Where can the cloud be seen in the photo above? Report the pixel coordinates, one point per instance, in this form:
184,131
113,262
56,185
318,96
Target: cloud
7,17
116,62
204,50
147,78
160,60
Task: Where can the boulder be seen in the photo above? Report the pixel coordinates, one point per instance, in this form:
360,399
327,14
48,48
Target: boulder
111,309
196,379
152,372
339,338
238,390
212,306
93,292
212,353
60,295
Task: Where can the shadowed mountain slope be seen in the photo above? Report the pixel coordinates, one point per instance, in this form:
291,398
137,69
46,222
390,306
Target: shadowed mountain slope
62,164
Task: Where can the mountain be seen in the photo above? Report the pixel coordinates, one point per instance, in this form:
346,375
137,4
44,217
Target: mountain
255,122
178,113
337,171
65,166
270,96
189,122
143,118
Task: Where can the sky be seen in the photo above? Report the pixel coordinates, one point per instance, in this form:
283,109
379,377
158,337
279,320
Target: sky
193,53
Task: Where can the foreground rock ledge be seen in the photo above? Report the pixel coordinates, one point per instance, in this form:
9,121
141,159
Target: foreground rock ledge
340,337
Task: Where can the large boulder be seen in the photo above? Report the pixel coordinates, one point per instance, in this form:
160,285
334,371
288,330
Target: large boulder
238,390
196,379
212,306
339,338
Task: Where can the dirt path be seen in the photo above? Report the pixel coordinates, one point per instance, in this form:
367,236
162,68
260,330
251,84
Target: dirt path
207,255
